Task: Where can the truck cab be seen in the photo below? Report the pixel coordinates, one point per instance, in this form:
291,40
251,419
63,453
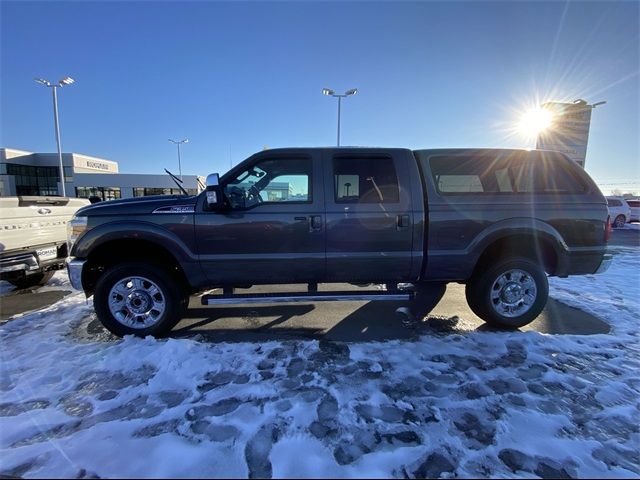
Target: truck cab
314,215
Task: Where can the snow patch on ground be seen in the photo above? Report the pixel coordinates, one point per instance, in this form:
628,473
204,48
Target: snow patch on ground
461,404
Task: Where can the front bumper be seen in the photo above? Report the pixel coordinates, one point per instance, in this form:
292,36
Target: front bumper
25,262
74,270
606,263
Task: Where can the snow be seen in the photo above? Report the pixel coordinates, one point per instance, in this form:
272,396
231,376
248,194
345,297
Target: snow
454,404
632,226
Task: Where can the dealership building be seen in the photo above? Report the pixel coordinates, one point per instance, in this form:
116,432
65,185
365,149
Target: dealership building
28,173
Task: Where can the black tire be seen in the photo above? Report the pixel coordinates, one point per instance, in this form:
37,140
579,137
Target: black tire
173,295
619,221
482,285
33,280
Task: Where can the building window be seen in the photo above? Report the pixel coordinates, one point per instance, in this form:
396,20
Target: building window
147,191
31,180
104,193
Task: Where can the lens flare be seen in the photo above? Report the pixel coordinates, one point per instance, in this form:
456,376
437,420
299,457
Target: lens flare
535,121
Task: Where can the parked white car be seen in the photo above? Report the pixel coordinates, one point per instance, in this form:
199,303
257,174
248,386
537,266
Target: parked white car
634,204
619,211
33,237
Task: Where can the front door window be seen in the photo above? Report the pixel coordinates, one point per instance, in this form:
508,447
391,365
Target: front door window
271,181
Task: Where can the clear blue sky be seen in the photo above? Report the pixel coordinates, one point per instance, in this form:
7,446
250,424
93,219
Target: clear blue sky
235,77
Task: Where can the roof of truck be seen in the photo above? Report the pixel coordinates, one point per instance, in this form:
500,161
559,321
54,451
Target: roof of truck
368,148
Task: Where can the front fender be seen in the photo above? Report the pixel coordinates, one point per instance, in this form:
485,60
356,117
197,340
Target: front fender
136,230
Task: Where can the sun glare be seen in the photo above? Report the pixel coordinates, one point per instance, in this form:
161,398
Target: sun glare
535,121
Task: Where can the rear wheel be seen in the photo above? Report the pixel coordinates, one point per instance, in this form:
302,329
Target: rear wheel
619,221
138,299
509,294
32,280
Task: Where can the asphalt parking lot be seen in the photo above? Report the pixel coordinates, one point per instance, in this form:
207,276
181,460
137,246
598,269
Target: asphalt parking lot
362,321
343,321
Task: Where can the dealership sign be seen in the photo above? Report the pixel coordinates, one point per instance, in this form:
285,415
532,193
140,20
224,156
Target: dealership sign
569,131
97,165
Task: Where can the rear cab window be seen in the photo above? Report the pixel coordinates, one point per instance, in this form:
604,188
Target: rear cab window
503,173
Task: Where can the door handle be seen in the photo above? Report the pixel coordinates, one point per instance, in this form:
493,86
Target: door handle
403,221
316,222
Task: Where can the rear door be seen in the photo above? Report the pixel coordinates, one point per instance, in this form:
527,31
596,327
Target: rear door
368,214
273,231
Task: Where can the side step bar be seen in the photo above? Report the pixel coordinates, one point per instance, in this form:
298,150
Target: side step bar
346,296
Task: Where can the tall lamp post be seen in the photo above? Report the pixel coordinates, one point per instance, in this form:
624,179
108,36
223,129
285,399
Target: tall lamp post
178,143
331,93
54,88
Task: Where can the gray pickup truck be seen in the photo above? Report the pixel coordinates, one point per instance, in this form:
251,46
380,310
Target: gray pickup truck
496,220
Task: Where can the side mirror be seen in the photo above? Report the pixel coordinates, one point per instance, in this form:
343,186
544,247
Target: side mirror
214,191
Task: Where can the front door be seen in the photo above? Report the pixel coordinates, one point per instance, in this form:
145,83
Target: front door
273,229
369,217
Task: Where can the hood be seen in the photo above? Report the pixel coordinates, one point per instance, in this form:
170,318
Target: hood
136,206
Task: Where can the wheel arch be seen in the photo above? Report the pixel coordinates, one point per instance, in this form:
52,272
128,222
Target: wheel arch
117,251
532,239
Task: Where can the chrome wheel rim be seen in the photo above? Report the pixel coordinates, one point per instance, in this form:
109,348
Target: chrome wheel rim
513,293
619,223
136,302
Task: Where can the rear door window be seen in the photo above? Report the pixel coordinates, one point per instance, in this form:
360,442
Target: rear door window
365,180
612,202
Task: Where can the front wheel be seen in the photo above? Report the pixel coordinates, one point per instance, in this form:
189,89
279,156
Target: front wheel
138,299
619,221
509,294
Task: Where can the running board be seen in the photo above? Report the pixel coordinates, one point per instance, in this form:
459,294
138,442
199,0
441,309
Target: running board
347,296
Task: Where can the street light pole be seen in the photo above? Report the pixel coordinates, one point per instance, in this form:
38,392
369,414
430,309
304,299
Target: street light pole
55,119
54,89
339,102
331,93
178,142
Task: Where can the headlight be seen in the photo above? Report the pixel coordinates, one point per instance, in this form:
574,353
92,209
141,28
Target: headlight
75,227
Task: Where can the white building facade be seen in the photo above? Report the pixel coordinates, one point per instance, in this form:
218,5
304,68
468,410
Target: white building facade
29,173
